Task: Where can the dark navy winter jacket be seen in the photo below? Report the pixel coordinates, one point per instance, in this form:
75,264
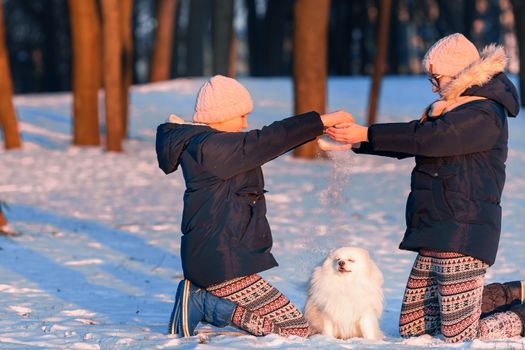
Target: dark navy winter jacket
457,182
224,226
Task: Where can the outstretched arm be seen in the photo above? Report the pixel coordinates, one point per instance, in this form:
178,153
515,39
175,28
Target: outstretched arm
465,131
468,130
228,154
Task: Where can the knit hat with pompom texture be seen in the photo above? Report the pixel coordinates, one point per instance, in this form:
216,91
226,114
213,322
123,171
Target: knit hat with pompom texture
450,55
221,99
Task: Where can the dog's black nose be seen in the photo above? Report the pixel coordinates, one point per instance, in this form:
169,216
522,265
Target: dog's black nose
341,263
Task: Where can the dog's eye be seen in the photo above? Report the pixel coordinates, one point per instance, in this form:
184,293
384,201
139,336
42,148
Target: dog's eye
350,260
337,258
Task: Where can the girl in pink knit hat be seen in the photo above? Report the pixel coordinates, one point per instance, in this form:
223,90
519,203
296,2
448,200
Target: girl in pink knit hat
226,238
453,211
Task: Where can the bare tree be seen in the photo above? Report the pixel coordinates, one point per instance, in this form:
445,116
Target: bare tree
113,74
268,36
199,20
254,33
162,51
126,12
380,60
3,221
276,33
85,27
232,64
7,109
518,7
222,24
310,61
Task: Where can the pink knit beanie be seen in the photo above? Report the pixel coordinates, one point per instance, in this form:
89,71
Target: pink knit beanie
450,55
221,99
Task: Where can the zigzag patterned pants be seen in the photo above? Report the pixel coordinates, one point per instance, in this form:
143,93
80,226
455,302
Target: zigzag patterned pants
261,309
444,293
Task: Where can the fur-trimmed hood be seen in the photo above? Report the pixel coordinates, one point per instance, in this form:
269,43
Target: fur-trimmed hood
483,79
492,61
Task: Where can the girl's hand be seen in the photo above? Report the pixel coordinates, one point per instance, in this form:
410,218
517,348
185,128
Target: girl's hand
337,117
348,133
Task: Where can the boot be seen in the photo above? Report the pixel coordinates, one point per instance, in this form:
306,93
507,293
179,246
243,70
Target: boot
194,305
519,309
499,297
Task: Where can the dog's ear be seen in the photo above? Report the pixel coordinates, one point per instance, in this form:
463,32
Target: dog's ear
330,253
375,274
328,257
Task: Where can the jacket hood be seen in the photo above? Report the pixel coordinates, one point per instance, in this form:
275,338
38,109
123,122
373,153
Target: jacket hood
485,78
172,139
501,90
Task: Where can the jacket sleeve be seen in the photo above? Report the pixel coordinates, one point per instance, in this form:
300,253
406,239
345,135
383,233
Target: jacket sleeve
366,148
468,130
230,153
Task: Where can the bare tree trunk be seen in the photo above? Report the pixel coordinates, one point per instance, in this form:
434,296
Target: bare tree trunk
199,18
113,74
7,109
126,12
340,37
254,32
310,61
222,24
162,52
85,28
275,34
380,60
519,21
232,62
3,220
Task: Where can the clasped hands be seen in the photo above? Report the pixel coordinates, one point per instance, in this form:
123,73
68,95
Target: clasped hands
340,126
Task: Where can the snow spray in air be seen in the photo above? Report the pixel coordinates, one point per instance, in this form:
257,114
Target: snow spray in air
336,197
338,187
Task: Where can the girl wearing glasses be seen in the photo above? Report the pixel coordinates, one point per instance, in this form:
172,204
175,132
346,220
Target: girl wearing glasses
453,211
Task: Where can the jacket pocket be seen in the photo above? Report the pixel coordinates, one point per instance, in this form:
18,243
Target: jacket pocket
423,176
248,200
454,192
434,180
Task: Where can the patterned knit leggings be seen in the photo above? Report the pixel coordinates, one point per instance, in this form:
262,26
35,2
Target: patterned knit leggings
444,293
261,309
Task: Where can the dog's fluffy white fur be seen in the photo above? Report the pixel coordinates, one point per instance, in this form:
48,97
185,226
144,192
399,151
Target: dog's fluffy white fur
345,299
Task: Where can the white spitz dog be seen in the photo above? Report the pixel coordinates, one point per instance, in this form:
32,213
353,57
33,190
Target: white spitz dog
345,299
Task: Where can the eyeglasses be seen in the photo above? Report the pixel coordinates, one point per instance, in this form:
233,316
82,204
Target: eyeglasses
434,80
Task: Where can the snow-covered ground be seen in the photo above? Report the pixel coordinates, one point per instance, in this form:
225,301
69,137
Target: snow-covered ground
97,261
